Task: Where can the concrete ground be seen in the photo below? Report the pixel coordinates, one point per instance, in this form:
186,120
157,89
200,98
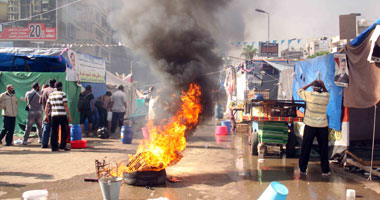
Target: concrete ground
208,170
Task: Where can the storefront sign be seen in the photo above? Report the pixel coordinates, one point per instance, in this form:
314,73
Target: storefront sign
268,49
28,20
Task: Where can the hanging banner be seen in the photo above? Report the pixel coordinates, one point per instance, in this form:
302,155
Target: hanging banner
85,68
341,71
16,23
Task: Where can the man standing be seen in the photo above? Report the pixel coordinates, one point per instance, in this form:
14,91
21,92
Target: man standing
119,105
47,124
315,125
85,106
34,113
103,105
60,116
9,105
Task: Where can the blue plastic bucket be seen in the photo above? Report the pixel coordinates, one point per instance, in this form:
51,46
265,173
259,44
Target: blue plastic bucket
126,134
275,191
75,133
228,124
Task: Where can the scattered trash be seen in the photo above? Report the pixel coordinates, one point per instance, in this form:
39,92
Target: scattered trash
149,187
35,194
17,142
174,179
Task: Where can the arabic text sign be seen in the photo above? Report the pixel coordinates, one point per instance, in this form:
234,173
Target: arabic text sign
91,69
33,31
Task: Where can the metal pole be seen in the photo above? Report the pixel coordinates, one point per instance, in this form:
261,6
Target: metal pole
268,28
373,144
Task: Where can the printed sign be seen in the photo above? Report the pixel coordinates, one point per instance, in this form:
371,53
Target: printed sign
341,71
85,68
17,23
268,49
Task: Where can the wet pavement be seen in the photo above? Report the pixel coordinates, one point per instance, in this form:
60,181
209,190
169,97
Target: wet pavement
208,170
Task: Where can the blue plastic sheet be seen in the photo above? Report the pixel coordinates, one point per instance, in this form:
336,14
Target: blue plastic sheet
321,68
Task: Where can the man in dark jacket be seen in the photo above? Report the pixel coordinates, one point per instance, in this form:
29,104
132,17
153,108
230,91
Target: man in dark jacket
87,108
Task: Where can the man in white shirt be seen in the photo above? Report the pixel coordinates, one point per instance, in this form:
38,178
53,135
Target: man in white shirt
119,106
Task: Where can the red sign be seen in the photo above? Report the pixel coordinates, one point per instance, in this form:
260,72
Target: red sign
34,31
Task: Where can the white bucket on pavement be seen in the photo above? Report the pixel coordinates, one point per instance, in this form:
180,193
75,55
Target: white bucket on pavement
35,195
350,194
110,187
275,191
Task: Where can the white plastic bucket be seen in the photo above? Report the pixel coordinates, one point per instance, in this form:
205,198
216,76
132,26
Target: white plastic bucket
35,195
110,187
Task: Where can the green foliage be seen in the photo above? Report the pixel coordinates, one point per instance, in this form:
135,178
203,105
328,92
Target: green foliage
320,53
249,52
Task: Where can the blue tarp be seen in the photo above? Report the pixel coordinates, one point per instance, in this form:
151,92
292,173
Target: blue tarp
39,60
322,68
360,38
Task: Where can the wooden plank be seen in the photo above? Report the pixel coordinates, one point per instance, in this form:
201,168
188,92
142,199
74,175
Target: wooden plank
365,168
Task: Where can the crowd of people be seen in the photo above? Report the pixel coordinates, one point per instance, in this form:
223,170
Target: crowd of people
52,103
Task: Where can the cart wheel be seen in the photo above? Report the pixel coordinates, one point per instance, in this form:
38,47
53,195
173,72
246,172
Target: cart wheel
254,142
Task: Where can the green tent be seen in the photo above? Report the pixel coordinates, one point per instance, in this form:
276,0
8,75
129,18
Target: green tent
22,81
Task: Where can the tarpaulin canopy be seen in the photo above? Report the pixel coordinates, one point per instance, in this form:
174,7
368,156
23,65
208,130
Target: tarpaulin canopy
277,66
32,60
22,82
321,68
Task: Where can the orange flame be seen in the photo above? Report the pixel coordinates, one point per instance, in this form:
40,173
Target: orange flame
167,142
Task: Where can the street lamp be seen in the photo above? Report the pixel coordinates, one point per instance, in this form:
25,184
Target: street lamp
263,11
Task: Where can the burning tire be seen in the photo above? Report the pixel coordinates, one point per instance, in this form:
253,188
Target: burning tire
145,178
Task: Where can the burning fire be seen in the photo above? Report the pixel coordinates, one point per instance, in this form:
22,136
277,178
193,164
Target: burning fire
167,142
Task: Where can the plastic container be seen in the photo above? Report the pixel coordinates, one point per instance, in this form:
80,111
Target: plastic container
76,133
78,144
145,132
275,191
126,134
35,195
218,112
228,124
350,194
221,130
221,138
110,187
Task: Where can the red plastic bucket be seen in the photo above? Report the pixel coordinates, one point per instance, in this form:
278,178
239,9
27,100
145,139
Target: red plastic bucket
78,144
221,138
221,130
145,132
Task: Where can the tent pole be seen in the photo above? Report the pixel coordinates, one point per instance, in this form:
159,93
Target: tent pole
373,143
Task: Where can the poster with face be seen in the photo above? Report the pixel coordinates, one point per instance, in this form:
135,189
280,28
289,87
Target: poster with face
71,68
341,70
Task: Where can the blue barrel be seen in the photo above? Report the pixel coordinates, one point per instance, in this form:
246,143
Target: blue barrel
75,133
218,112
228,124
126,134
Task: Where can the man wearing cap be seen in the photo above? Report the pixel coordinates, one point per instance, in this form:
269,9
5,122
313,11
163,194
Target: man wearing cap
315,125
9,105
86,108
34,112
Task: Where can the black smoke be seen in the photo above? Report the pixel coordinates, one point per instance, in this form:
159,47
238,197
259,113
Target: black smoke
178,37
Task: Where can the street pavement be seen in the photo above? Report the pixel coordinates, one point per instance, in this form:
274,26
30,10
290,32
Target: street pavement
208,170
